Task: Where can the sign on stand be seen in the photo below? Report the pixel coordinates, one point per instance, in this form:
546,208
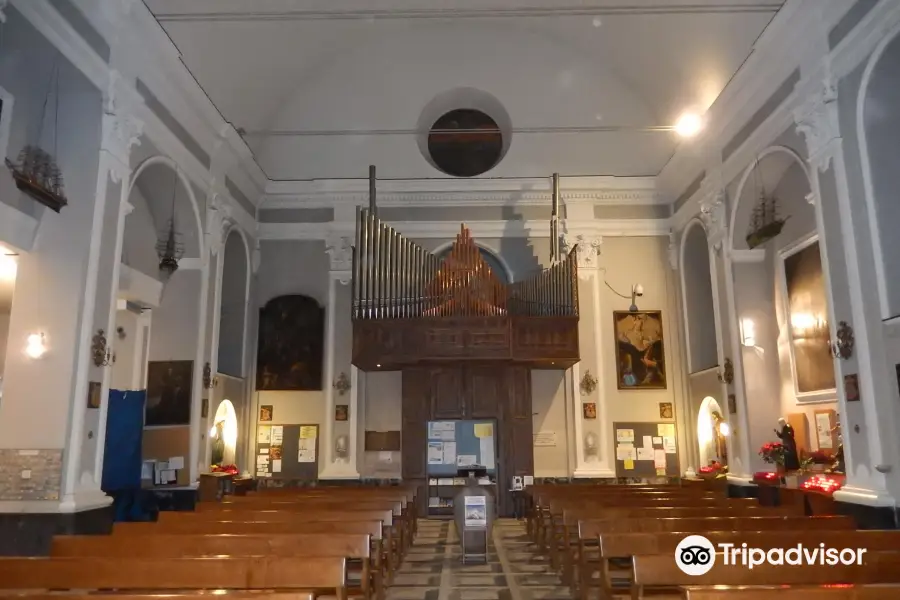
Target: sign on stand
476,511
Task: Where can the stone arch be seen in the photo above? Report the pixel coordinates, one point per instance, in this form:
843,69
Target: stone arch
235,285
738,207
697,292
491,256
876,125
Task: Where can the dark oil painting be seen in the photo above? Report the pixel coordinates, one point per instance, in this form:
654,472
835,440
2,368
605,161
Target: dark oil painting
640,352
169,392
291,339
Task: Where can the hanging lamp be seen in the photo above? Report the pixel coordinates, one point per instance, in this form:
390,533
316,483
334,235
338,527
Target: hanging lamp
169,247
765,223
35,170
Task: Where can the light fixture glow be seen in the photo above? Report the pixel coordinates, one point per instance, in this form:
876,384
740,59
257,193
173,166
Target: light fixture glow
8,266
688,125
724,429
35,347
748,333
212,431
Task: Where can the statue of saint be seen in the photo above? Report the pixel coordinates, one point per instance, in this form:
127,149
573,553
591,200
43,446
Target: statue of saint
791,456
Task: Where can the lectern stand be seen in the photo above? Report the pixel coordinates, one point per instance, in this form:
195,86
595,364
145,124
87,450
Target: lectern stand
474,516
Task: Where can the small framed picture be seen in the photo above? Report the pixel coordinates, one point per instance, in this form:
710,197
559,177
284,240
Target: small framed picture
590,410
341,412
732,404
851,387
93,400
265,413
204,408
666,411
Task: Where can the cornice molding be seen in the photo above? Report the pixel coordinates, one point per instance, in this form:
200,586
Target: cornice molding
479,229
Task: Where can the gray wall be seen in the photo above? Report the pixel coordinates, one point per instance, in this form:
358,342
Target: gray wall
233,306
701,325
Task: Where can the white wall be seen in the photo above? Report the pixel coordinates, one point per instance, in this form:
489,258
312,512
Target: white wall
4,333
174,332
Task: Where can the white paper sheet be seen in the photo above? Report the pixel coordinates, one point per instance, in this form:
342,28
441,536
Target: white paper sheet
645,453
545,439
264,434
276,466
435,453
625,435
659,459
669,444
385,457
648,441
665,430
626,452
657,441
528,480
475,511
487,451
465,460
263,450
306,452
277,435
442,430
176,462
449,453
823,431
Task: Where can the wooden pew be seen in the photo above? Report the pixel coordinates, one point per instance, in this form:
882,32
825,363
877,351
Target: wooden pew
317,575
661,571
855,592
197,595
350,546
626,545
593,531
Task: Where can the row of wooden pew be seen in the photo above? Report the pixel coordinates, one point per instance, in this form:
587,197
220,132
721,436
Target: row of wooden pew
295,544
609,540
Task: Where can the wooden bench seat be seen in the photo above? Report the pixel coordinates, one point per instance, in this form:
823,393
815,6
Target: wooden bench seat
320,575
661,571
195,595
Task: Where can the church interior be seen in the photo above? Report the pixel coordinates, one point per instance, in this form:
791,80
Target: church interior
490,286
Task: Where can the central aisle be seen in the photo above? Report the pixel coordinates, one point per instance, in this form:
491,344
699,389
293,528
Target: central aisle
432,570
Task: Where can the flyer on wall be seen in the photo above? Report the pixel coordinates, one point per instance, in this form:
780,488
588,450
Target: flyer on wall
476,511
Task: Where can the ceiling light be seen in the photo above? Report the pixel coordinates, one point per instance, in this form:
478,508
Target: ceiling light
688,125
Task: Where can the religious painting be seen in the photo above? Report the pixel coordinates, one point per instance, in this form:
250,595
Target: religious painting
291,340
169,386
732,404
94,388
341,412
851,387
640,352
807,321
204,408
266,413
666,410
590,410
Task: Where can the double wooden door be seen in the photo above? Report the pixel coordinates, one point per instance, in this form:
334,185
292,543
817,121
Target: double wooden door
453,392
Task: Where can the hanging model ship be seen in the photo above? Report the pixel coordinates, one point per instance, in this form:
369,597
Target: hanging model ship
37,175
765,223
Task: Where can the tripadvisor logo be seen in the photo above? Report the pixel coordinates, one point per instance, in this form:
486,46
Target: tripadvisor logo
695,555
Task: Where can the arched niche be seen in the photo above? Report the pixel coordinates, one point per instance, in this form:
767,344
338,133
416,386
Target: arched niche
223,434
711,441
494,261
699,307
878,123
233,307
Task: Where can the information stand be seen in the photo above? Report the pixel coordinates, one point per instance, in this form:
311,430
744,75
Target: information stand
474,516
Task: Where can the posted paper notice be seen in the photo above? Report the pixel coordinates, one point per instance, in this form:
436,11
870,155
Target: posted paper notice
435,453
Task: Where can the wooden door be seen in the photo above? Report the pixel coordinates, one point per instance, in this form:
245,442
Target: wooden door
484,392
448,399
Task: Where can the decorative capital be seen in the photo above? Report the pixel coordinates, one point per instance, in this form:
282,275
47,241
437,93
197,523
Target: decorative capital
673,250
340,249
817,121
712,214
588,249
218,220
121,129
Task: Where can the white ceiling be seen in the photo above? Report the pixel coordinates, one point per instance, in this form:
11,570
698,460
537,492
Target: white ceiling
350,65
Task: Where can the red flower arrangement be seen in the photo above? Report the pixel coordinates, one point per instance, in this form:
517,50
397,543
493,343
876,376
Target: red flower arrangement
229,469
772,453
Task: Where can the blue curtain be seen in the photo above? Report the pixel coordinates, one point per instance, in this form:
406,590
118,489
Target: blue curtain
124,434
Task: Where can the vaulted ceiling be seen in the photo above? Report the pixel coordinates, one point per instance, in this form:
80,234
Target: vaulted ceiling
322,88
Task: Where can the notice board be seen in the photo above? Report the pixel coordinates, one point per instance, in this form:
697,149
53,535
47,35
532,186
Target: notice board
646,450
287,452
448,441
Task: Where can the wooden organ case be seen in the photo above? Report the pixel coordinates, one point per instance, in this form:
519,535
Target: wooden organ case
464,341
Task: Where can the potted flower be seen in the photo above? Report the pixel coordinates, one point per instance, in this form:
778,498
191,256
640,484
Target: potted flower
773,454
816,461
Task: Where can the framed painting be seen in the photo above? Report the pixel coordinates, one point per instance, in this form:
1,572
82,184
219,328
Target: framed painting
169,386
291,342
805,312
640,350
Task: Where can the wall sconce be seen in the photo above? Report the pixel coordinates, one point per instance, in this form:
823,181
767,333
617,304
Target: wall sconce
36,348
637,290
748,333
103,356
588,384
342,384
209,381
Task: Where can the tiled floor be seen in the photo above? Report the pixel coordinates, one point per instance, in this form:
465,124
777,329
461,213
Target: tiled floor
433,570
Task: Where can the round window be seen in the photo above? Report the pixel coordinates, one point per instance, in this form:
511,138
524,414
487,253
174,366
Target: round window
465,142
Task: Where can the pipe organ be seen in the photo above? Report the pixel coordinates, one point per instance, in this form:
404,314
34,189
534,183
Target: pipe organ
411,307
